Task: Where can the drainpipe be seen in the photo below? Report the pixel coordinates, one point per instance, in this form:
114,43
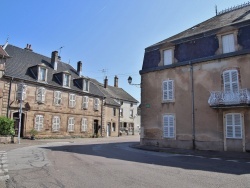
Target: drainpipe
102,114
192,99
8,105
118,126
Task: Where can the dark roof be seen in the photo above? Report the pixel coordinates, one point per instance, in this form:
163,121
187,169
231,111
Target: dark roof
3,53
114,93
18,66
230,17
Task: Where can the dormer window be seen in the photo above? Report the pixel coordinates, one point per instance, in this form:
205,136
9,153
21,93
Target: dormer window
66,80
42,74
85,85
228,43
167,57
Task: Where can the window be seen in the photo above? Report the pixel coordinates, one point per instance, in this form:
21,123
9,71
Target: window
96,104
233,126
84,124
114,111
121,112
231,83
168,90
42,74
131,104
131,113
57,97
39,122
72,100
21,91
167,57
40,96
113,127
228,43
85,85
56,123
71,124
85,102
66,80
168,126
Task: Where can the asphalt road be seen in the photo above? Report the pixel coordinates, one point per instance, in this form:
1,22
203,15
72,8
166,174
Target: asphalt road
110,162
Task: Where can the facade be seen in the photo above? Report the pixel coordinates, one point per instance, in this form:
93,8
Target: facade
121,109
51,96
196,87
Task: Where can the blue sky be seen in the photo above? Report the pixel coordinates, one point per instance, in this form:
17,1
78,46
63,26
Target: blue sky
108,36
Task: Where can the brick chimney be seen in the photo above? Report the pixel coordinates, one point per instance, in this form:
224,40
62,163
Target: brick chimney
116,81
79,68
105,82
54,59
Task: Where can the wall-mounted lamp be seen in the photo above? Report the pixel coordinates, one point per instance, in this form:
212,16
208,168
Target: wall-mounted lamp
130,82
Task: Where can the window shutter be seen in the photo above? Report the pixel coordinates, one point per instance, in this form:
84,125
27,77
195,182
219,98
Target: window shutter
171,126
84,124
168,90
165,126
233,126
40,95
227,82
168,126
231,82
21,91
235,83
85,102
229,124
238,126
57,97
165,90
167,56
96,104
38,122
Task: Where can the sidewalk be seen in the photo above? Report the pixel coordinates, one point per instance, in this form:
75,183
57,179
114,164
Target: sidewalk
226,155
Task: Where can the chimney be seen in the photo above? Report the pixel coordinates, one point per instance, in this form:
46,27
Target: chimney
116,81
54,59
28,47
105,82
79,68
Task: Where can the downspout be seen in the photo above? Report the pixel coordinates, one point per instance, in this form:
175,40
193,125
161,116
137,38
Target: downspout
192,100
102,113
119,121
8,105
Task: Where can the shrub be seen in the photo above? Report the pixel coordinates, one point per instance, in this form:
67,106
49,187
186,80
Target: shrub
6,126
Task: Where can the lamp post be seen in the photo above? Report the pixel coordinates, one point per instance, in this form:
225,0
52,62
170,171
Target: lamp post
130,82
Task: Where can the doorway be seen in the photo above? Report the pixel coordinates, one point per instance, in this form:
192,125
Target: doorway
16,124
96,127
108,129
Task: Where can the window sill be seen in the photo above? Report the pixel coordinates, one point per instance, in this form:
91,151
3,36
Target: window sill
170,101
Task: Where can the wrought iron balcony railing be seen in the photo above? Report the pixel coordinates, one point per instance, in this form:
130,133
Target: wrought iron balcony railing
229,98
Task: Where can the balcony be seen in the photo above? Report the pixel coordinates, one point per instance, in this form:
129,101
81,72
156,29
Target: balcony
222,98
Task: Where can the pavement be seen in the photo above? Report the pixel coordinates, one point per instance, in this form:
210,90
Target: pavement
4,148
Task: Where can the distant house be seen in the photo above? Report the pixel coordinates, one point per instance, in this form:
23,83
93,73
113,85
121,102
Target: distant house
196,86
120,109
56,100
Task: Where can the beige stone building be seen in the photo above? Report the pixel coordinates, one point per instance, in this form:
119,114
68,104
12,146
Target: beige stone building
196,87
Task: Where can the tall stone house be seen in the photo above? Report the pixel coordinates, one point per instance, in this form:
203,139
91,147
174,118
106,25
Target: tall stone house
196,88
118,104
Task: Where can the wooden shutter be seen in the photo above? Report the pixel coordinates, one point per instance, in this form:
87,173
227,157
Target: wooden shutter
21,91
168,90
228,43
233,126
57,97
231,81
96,104
167,56
168,126
84,124
40,95
56,123
38,122
238,126
85,102
72,100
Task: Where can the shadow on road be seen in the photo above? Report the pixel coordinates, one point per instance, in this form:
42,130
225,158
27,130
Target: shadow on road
119,151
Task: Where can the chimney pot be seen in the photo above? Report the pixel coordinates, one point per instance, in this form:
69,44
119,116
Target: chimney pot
54,59
105,82
116,81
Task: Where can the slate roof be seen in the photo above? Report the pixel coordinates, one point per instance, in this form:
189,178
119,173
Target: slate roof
112,93
21,60
217,22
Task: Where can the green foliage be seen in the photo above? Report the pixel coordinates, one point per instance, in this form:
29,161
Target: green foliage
6,126
33,132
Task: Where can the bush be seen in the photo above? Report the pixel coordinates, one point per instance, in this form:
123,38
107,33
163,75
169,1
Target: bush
6,126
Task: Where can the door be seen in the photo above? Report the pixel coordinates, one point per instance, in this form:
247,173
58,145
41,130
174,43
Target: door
16,124
108,129
96,128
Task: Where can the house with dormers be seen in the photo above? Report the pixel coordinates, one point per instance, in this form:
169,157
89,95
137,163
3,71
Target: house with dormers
121,116
195,86
56,99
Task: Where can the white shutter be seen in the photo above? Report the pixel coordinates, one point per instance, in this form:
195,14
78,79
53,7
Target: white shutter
168,126
38,122
228,43
71,123
40,95
85,103
167,56
165,90
56,123
72,100
96,104
233,126
57,97
231,81
21,91
235,83
84,124
168,90
227,82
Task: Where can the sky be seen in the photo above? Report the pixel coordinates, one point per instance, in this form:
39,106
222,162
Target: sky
108,36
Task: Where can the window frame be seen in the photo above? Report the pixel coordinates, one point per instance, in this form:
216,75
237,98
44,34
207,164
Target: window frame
66,83
233,126
72,100
39,74
166,92
40,95
231,83
38,125
168,126
85,103
85,85
84,124
57,124
170,59
96,104
57,99
225,47
71,124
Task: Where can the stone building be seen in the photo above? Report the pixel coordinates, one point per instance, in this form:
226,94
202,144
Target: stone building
196,87
56,100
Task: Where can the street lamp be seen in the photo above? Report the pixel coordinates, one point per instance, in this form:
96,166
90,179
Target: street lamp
130,82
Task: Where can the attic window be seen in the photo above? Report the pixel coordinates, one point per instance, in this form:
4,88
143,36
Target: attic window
66,80
42,74
85,85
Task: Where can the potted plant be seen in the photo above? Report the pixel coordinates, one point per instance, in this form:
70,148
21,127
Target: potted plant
33,133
